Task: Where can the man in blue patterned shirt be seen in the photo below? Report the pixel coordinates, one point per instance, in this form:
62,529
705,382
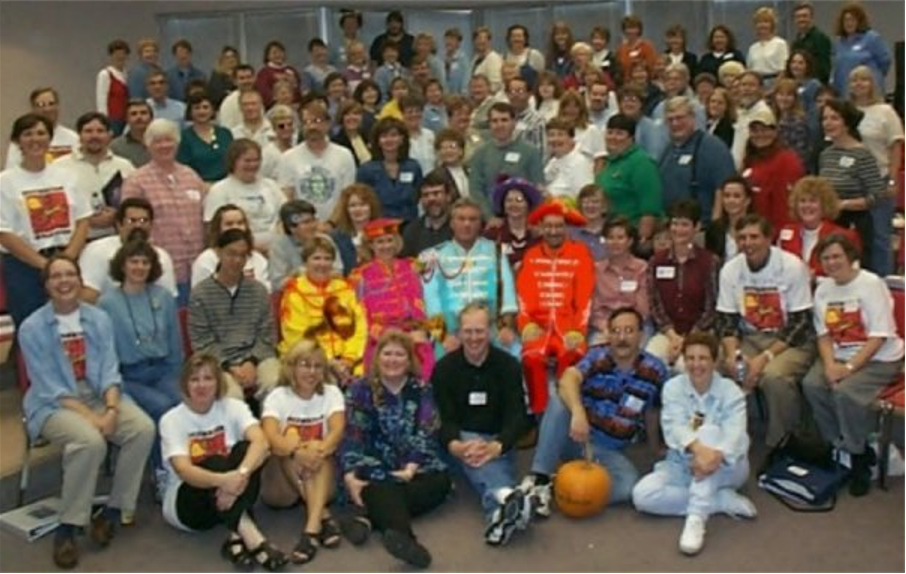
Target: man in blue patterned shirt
609,399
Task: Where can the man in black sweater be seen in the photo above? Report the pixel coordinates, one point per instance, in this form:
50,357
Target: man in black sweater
481,401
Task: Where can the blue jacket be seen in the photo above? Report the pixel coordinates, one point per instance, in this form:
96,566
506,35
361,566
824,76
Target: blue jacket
457,75
49,369
866,49
695,169
398,196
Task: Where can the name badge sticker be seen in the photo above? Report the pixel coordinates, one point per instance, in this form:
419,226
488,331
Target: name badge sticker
406,177
193,194
512,157
628,285
685,159
847,161
786,234
665,272
478,399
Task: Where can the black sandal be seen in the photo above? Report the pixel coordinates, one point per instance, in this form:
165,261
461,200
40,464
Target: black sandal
329,537
305,550
234,550
268,557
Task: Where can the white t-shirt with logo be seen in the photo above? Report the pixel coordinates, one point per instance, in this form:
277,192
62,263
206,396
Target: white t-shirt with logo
63,142
184,432
852,313
764,298
304,418
260,200
317,179
92,179
41,207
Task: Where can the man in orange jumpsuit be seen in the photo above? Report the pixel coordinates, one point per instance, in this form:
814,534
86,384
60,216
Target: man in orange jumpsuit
554,286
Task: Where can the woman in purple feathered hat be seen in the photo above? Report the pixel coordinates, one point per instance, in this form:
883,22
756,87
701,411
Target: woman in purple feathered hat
514,198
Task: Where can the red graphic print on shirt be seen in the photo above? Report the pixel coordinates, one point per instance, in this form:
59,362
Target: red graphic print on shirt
48,211
762,309
844,323
74,347
205,444
305,429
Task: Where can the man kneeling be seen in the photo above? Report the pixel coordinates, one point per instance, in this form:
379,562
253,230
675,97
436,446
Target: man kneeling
479,395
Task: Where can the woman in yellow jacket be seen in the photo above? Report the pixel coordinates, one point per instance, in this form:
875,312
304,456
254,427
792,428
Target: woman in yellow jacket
318,305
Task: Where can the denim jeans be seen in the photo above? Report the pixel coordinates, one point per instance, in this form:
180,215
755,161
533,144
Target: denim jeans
491,476
555,446
155,389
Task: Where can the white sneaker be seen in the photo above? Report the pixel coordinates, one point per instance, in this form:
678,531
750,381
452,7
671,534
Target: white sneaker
734,504
693,537
540,495
507,517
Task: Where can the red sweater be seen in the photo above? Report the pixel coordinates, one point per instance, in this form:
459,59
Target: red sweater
790,239
771,178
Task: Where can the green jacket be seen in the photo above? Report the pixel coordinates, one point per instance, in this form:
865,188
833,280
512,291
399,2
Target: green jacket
816,43
632,184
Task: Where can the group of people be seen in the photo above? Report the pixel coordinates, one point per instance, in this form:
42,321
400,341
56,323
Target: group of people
357,279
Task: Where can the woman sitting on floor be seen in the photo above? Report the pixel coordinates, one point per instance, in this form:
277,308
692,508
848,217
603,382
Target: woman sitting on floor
303,420
391,457
214,451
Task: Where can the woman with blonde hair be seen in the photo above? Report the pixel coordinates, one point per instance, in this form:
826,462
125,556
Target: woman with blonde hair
721,113
813,208
881,130
589,139
391,458
318,305
303,420
792,121
221,82
769,52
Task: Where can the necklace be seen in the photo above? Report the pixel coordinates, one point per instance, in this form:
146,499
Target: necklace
139,340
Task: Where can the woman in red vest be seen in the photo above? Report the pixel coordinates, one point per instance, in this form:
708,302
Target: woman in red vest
111,92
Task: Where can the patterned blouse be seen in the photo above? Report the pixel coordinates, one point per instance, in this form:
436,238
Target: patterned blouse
386,432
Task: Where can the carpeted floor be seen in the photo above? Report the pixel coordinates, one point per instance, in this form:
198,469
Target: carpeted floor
860,535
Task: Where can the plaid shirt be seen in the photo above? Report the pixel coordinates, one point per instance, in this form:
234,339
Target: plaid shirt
177,201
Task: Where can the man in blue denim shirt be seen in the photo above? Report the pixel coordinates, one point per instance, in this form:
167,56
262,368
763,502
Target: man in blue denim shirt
609,399
75,402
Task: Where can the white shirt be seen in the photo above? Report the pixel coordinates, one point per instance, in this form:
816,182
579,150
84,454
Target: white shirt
63,142
768,58
880,128
852,313
206,264
764,299
91,180
490,67
184,432
230,114
565,176
95,264
318,179
741,130
42,208
590,141
102,86
262,135
421,149
305,418
270,161
260,200
461,178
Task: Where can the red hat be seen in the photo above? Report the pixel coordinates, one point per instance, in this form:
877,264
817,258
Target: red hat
378,227
553,207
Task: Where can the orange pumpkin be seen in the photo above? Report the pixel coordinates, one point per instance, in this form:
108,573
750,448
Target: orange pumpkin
581,488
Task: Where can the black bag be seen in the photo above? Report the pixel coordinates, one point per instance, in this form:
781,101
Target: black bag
802,474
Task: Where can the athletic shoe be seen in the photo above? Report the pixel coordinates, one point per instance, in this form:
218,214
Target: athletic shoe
734,504
693,537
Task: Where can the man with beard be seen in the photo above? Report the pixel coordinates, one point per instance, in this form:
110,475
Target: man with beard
555,285
317,169
436,195
97,171
764,317
465,269
608,400
131,145
396,33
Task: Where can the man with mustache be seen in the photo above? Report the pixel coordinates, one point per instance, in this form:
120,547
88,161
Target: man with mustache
607,400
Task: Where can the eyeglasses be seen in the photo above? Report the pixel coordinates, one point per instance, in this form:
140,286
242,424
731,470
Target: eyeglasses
283,125
313,120
137,220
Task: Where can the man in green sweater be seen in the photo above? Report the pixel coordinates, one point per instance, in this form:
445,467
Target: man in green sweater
812,40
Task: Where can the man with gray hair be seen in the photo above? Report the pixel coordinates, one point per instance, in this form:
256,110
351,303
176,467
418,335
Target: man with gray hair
676,83
695,163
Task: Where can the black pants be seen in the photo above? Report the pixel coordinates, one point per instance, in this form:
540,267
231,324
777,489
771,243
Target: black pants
864,226
392,505
197,507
